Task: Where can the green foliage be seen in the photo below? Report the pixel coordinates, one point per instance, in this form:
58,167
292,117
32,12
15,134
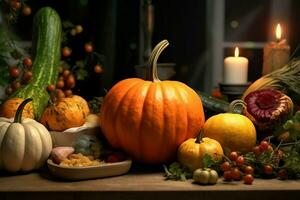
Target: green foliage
95,104
5,54
177,172
209,162
292,163
293,127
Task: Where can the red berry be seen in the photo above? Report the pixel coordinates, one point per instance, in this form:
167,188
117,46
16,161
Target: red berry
282,174
225,166
27,76
66,51
16,85
66,73
227,176
216,93
268,169
60,84
8,90
60,94
14,72
26,10
248,170
68,93
236,174
50,88
264,145
233,156
256,150
16,5
27,62
70,82
239,161
248,179
98,69
88,47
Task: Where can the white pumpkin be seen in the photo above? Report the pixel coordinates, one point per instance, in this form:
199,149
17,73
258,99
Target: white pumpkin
25,144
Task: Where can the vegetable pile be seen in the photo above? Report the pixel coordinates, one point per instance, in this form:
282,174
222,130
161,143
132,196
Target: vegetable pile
267,146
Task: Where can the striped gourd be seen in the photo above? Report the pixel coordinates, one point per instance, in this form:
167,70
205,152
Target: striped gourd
46,48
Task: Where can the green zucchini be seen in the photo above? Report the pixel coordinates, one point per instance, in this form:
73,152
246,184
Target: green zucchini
214,106
46,47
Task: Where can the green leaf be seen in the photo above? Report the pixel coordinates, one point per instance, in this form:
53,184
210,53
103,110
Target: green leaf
177,172
207,161
81,74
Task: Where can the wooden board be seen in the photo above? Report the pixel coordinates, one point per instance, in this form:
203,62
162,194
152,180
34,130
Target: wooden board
149,185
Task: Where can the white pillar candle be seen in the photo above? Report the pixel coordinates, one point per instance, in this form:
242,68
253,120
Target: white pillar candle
235,69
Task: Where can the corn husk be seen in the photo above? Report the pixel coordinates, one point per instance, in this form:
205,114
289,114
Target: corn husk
286,79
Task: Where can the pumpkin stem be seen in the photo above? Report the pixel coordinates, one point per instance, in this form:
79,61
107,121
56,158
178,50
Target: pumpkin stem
18,115
152,63
199,137
236,105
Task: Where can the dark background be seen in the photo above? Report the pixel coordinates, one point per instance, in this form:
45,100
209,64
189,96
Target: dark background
113,27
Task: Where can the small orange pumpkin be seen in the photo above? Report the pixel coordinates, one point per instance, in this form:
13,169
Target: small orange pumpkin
82,102
192,151
66,113
150,118
9,107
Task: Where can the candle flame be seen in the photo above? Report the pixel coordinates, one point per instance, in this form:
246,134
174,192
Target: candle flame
278,32
236,52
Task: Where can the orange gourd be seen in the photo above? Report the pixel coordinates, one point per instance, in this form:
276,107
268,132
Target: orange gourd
66,113
192,152
150,118
9,107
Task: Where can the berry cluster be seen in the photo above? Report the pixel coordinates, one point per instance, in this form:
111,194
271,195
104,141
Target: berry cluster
15,8
19,75
235,169
263,161
65,83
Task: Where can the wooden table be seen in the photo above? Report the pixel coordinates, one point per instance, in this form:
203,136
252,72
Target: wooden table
142,186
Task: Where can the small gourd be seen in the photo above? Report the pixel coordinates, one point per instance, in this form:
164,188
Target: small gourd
25,144
192,151
67,113
9,107
205,176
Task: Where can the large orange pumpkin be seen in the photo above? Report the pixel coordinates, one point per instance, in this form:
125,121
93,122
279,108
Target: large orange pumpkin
150,118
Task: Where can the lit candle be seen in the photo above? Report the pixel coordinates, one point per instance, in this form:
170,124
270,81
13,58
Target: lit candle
235,69
276,54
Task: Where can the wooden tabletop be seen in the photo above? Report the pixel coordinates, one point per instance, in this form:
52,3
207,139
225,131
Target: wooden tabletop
140,185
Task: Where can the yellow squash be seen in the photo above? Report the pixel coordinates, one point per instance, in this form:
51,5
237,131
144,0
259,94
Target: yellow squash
234,131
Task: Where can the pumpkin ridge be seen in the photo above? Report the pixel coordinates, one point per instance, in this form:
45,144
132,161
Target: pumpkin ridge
7,159
32,132
39,133
179,95
164,150
121,117
140,146
143,134
115,122
110,96
2,126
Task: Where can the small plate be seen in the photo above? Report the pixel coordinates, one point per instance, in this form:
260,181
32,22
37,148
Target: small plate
91,172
